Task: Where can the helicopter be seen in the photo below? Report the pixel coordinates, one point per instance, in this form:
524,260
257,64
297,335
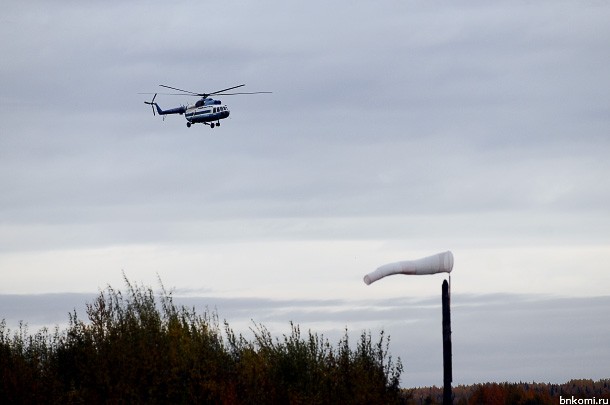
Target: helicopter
206,110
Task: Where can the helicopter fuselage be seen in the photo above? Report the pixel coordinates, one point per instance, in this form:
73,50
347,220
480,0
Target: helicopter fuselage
205,111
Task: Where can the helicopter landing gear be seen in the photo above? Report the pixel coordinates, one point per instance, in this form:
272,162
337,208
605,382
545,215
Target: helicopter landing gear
188,124
212,125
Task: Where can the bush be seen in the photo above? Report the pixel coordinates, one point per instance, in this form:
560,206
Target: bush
137,348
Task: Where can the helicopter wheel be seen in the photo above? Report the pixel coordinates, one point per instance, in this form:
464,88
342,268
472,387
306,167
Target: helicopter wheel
218,124
188,124
212,125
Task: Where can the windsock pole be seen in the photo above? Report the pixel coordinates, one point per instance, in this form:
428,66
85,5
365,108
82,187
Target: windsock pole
447,365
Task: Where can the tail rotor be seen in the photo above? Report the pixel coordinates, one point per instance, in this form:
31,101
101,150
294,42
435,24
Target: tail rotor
152,104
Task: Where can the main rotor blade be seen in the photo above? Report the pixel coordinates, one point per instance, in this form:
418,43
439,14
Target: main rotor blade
234,94
230,88
216,93
176,94
185,91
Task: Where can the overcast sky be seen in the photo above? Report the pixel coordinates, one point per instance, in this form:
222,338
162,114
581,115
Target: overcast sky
395,130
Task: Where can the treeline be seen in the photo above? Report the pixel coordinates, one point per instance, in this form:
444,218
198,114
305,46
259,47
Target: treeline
139,348
515,393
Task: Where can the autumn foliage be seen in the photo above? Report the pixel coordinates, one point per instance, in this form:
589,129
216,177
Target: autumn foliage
521,393
137,347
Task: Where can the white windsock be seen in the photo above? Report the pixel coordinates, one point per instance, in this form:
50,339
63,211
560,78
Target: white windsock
439,263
